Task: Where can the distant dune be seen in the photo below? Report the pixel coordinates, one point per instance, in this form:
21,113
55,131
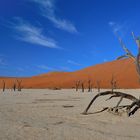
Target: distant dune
124,72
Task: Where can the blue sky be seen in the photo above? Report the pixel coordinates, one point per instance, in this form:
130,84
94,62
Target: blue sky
38,36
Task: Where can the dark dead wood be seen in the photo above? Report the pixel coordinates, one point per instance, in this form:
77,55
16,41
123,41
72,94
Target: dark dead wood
133,111
119,101
82,86
113,110
4,85
68,106
89,86
114,94
19,87
98,86
77,84
104,109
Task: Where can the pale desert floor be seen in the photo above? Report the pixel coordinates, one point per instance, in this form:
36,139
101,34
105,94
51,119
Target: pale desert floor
56,115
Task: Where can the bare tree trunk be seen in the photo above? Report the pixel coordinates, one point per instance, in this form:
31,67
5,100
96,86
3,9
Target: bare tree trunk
82,86
98,86
113,83
14,87
4,85
89,86
77,85
19,85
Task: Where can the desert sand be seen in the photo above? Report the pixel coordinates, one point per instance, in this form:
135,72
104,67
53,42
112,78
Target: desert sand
124,72
41,114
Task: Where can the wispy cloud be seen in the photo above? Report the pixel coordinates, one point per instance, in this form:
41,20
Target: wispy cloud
118,28
31,34
63,68
45,67
2,62
48,68
115,26
73,63
48,10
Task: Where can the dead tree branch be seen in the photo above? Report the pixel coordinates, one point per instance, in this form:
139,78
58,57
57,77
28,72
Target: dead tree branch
130,55
114,94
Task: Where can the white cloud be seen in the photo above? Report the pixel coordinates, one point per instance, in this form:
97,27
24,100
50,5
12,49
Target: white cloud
31,34
73,63
63,24
48,10
61,68
64,68
46,68
116,27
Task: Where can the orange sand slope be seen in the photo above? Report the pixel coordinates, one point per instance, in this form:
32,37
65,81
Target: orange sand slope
124,72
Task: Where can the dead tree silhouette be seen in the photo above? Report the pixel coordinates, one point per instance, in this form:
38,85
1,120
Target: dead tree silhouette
77,85
82,84
19,87
4,86
98,85
135,105
89,86
14,86
113,83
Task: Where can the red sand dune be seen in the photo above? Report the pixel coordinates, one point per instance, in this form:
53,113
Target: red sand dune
124,72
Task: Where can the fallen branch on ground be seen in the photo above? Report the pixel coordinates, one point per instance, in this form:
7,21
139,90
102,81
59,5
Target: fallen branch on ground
117,108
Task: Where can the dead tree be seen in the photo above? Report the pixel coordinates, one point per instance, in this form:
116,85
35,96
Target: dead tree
115,110
135,105
98,86
82,84
130,55
19,87
77,85
113,83
14,86
89,86
4,85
